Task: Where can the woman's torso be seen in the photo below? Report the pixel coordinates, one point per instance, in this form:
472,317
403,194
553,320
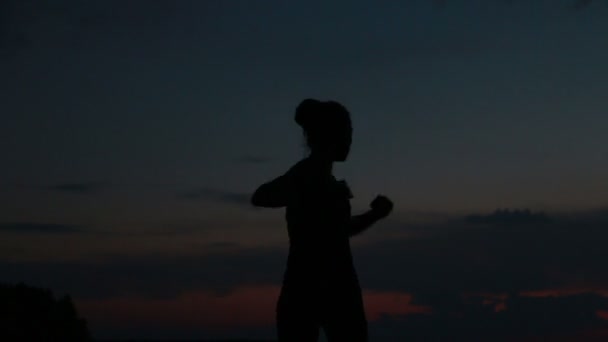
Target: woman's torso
318,215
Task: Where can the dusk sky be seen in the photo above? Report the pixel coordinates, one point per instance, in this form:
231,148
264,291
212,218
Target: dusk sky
134,132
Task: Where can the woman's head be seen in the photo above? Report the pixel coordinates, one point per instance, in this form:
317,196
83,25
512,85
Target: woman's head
327,127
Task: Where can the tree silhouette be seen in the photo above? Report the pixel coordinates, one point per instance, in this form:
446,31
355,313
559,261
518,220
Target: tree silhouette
34,314
508,216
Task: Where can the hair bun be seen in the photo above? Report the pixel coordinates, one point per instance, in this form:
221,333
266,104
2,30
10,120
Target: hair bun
305,112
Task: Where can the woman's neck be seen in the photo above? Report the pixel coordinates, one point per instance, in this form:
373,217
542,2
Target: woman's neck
325,164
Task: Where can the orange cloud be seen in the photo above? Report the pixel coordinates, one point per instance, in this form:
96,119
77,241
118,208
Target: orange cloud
378,304
244,307
565,292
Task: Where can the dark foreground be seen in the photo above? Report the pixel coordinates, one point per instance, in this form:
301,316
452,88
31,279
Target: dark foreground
185,340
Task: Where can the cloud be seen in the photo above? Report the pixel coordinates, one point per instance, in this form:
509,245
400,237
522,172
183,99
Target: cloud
455,257
30,227
72,23
230,197
478,279
12,37
577,4
130,14
83,188
251,159
154,276
460,258
440,3
574,5
581,4
507,216
519,318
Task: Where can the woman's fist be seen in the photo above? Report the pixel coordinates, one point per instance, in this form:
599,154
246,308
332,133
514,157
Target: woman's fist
382,206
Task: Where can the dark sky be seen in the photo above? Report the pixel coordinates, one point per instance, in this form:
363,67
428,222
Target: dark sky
133,133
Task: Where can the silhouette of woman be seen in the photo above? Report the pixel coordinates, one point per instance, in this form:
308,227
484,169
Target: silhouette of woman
320,285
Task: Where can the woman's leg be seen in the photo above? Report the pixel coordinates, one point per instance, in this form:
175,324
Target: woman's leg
351,328
345,318
296,321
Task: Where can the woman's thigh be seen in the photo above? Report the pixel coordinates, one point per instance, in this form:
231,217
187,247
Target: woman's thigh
297,319
344,318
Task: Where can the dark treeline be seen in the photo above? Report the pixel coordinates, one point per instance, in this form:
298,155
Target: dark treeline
34,314
509,216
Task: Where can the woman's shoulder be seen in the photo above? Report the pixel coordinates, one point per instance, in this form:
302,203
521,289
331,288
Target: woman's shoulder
301,168
306,172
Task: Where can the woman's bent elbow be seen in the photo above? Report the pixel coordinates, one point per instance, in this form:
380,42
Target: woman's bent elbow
258,200
255,200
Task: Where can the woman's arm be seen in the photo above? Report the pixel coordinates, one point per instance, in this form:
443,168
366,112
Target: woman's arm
381,207
360,223
272,194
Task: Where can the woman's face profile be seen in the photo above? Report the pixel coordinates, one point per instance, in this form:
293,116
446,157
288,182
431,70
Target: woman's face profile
343,143
327,127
